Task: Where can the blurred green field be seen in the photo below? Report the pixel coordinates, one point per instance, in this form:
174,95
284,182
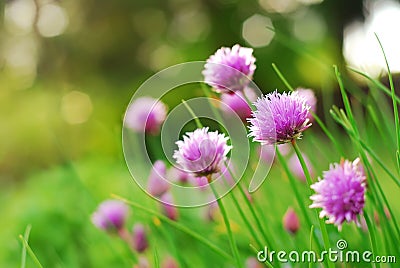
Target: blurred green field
63,96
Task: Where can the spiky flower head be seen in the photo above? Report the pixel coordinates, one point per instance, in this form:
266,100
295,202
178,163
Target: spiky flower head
341,192
230,69
202,152
279,118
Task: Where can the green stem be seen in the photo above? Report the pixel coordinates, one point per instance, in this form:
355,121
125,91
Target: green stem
395,110
372,237
252,211
178,226
309,182
23,254
311,239
227,225
245,220
30,252
297,195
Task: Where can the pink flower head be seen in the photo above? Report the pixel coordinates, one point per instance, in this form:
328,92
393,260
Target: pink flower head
157,183
279,118
146,114
311,100
230,69
110,215
341,193
202,152
291,221
140,242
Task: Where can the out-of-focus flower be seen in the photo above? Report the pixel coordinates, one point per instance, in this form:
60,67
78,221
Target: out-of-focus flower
291,221
110,215
146,114
169,210
177,175
237,103
279,118
200,182
311,100
142,263
169,262
212,210
252,262
230,69
341,193
140,242
157,182
296,169
202,152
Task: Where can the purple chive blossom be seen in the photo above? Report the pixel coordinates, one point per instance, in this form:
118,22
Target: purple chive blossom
201,152
291,221
110,215
230,69
157,183
279,118
311,100
341,192
146,114
140,242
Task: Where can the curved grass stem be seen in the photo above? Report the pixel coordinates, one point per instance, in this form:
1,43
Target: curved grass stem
309,182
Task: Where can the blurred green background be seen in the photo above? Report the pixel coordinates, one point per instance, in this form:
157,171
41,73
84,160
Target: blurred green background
69,69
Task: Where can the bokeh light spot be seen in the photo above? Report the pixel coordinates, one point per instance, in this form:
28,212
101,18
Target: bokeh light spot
255,31
360,47
19,16
53,20
309,26
76,107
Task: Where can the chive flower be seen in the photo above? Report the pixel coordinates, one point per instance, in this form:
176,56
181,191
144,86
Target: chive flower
230,69
201,152
279,118
341,193
110,215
